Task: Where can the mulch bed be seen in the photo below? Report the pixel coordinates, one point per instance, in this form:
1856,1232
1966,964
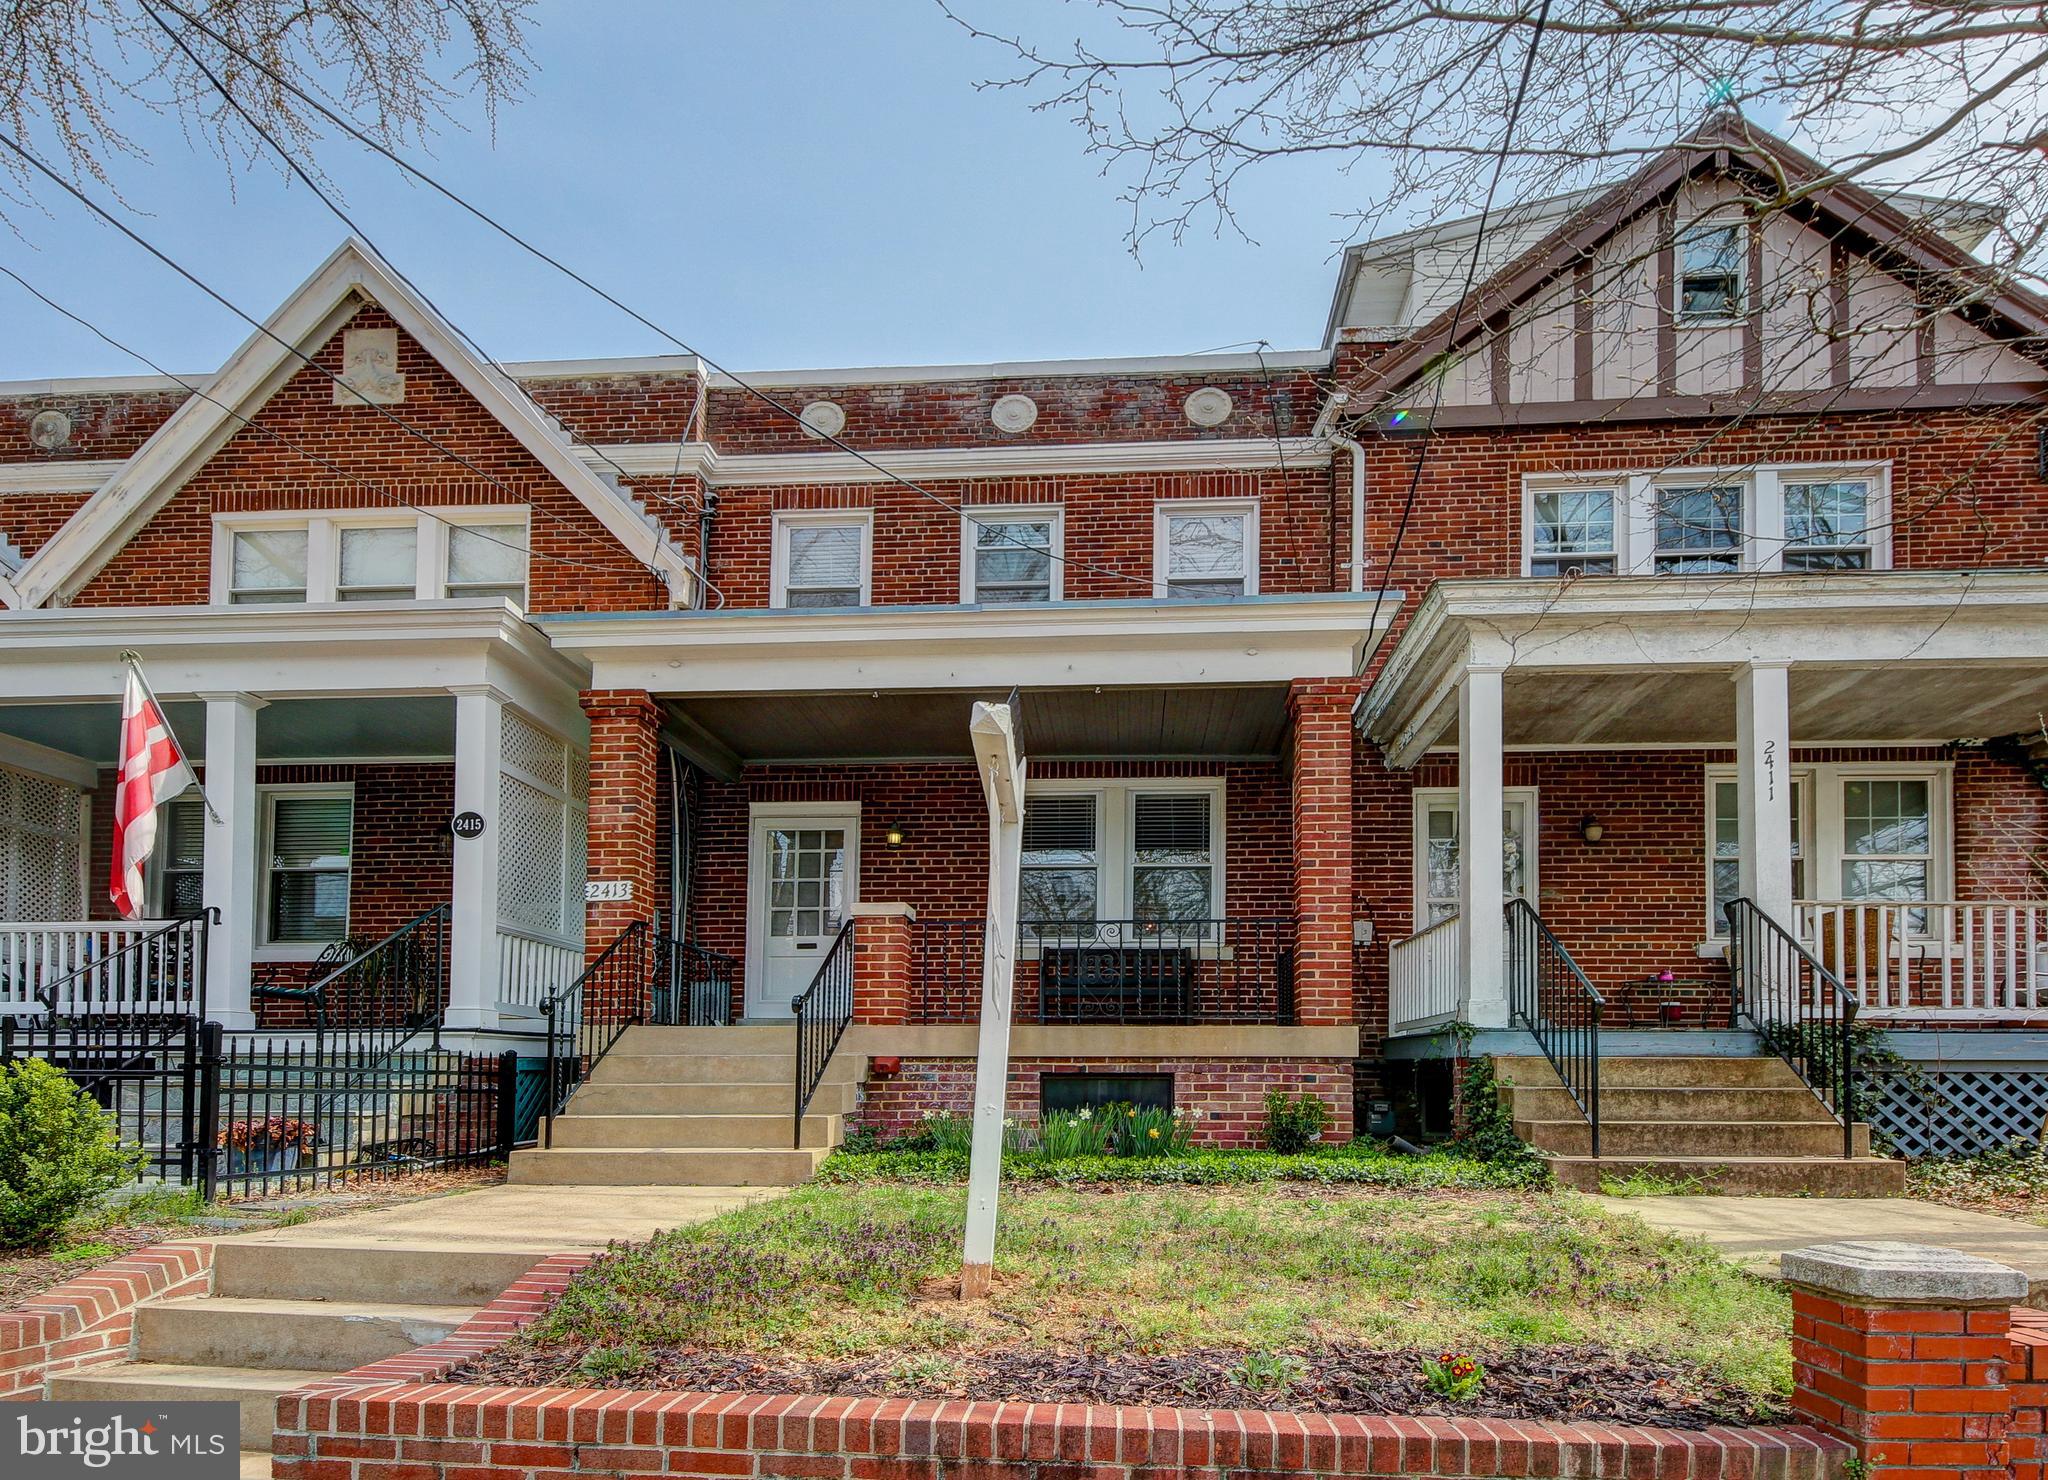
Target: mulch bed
28,1276
1563,1384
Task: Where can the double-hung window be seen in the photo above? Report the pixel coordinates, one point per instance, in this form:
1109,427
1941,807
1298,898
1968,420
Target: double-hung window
1710,271
1572,529
486,560
379,562
1010,556
1206,550
1827,525
1060,880
1150,852
821,560
307,842
267,567
1698,530
180,860
369,555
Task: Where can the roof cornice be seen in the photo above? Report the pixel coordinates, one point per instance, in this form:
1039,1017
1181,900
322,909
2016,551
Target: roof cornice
704,461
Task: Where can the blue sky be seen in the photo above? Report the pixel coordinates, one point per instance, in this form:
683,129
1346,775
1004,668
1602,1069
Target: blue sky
787,184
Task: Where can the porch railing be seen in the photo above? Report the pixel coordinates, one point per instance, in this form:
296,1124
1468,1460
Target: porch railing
691,987
822,1015
589,1015
1938,958
532,967
1550,996
146,967
1799,1007
1425,978
395,986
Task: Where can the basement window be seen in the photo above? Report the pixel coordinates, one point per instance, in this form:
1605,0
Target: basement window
1098,1091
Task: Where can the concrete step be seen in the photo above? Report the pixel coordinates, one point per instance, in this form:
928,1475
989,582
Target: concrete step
1656,1138
1674,1072
718,1068
303,1335
256,1389
577,1131
764,1098
703,1167
317,1271
1691,1103
740,1038
253,1464
1759,1176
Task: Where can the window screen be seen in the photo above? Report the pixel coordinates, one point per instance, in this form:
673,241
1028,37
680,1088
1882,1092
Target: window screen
309,867
1057,883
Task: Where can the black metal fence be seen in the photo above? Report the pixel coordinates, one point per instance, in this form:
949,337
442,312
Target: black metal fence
149,1074
692,987
1550,996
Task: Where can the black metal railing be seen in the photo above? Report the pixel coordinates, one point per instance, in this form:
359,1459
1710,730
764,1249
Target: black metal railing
822,1014
588,1016
1550,996
161,974
692,987
147,1072
1798,1006
395,986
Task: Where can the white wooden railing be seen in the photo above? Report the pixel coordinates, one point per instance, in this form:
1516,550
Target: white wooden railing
1424,979
532,968
34,953
1941,958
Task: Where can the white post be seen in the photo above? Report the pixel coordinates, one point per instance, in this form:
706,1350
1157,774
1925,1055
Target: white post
1763,786
473,920
229,866
1482,930
1002,781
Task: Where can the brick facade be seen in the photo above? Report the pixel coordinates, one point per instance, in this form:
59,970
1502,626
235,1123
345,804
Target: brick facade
624,767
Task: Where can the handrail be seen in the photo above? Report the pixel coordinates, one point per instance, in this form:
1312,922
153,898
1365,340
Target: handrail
1550,996
620,974
1799,1007
134,960
396,957
822,1014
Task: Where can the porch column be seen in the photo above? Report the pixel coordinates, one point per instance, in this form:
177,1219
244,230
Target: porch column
1482,932
473,916
229,863
1320,754
625,769
1763,786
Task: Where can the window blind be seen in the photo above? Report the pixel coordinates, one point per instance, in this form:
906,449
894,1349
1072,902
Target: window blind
1059,824
825,557
1171,823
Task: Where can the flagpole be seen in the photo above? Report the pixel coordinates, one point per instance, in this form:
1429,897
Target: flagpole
134,661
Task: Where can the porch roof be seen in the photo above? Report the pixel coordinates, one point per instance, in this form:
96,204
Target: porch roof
1873,657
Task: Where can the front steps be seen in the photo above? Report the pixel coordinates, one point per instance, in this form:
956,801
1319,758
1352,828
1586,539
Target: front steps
697,1107
1721,1125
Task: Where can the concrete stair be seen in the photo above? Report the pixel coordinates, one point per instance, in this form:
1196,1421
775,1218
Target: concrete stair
1713,1124
281,1315
704,1107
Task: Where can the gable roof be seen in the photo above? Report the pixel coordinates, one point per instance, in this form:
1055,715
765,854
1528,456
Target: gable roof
305,321
1867,222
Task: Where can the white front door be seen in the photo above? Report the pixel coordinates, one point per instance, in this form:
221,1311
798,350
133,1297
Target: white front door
801,878
1436,851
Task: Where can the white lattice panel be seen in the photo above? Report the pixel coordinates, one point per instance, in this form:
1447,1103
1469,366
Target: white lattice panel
579,855
535,752
532,836
579,776
39,849
1956,1112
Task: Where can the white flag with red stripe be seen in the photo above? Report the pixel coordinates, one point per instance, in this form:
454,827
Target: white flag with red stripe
153,770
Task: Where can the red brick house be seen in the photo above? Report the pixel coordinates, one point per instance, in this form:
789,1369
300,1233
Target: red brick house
1727,528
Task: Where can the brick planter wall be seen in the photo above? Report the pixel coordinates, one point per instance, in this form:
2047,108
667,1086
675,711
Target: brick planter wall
89,1321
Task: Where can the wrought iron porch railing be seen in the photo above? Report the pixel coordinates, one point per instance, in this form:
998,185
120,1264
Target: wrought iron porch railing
822,1014
588,1016
1798,1006
692,987
1550,996
397,985
160,973
147,1071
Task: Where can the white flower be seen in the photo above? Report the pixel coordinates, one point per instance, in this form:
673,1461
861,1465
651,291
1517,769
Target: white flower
1084,1113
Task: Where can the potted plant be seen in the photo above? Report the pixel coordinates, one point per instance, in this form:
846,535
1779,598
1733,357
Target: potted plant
275,1144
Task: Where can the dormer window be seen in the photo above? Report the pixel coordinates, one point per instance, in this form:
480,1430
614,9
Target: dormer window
1710,262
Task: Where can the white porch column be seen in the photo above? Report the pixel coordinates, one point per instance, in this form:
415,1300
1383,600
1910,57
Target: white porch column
473,921
1482,934
230,863
1763,786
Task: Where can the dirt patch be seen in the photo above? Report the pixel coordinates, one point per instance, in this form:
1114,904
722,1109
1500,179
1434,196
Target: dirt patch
25,1278
1559,1384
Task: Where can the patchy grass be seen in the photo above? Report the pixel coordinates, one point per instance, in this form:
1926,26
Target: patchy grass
2012,1181
1357,1164
836,1272
1643,1182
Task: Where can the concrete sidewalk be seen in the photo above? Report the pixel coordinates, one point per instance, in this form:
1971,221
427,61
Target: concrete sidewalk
1754,1231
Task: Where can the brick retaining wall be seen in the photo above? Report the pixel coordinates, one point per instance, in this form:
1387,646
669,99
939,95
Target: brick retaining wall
90,1320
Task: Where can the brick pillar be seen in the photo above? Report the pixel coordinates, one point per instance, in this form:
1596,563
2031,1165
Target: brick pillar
881,962
1901,1350
624,810
1319,714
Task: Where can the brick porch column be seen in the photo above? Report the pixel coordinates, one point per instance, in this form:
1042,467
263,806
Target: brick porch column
624,765
881,962
1319,715
1901,1350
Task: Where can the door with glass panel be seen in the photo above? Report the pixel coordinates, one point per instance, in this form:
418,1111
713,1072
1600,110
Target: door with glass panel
802,875
1437,853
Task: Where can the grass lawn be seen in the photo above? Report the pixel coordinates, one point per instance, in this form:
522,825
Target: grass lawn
1291,1295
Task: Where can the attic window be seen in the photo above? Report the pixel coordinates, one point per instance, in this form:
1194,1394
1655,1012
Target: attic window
1710,274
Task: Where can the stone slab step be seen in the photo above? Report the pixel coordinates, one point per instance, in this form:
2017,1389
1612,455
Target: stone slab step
326,1272
1661,1073
303,1335
1680,1102
1763,1176
1653,1138
739,1038
253,1464
766,1097
718,1068
705,1167
255,1389
577,1131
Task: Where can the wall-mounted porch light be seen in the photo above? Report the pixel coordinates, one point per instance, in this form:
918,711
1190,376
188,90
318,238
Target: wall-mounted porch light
895,836
1590,828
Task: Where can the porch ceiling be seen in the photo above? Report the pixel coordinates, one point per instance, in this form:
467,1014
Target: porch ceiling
1233,720
413,727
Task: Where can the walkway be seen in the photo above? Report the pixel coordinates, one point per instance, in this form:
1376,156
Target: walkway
1754,1231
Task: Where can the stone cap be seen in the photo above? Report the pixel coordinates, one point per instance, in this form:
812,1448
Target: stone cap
881,910
1893,1273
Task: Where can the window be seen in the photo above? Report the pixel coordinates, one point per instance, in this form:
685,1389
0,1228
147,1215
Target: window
1059,880
487,560
180,859
1699,530
1573,529
1098,1091
1727,862
1887,838
378,563
269,567
1710,273
1122,850
1437,851
1171,863
1827,525
821,562
1205,551
1010,556
307,838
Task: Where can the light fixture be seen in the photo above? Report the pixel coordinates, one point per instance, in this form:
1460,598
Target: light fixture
1590,828
895,836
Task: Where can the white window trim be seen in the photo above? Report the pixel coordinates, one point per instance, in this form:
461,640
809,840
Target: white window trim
1115,810
266,800
1822,827
978,514
1763,508
1713,221
323,544
154,881
788,519
1164,508
1424,798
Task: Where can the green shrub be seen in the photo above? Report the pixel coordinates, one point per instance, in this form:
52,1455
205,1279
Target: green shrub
59,1152
1294,1122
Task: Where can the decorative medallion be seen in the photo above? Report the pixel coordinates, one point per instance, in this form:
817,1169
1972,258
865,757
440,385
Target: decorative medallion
823,418
1209,406
49,430
369,369
1013,413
